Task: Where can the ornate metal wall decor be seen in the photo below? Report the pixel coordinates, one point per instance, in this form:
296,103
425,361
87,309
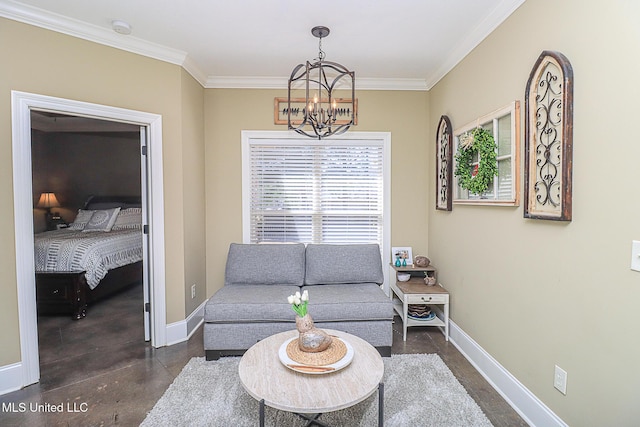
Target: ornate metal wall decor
549,138
444,149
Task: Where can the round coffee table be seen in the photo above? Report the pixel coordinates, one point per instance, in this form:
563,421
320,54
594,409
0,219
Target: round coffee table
267,380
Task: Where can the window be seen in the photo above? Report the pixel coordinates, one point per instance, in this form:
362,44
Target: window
504,125
316,191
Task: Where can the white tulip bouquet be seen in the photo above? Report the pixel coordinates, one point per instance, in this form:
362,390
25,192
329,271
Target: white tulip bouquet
299,302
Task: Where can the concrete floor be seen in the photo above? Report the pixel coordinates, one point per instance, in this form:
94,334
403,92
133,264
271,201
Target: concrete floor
100,372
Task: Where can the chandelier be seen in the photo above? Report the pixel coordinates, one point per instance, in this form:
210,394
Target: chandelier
319,81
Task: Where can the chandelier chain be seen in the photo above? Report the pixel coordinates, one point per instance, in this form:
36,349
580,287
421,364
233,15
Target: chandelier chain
321,53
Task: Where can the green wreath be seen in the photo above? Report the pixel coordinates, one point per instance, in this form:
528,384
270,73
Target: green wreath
477,179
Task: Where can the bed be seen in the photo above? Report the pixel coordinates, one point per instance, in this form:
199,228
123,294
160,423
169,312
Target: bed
99,254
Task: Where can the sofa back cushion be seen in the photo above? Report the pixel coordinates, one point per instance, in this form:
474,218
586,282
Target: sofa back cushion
265,264
335,264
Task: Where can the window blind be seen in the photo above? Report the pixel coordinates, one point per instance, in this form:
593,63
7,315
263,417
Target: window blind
316,192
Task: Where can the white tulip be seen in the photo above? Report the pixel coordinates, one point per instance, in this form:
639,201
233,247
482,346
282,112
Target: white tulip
305,296
298,295
297,301
291,299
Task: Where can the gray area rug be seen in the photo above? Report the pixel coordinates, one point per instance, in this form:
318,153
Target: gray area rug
419,390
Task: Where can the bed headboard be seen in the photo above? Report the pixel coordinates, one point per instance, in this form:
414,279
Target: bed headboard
107,202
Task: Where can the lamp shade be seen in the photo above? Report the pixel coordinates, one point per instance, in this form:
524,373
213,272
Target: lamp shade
48,200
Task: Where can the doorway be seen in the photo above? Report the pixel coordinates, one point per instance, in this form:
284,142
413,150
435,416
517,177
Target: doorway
151,132
74,160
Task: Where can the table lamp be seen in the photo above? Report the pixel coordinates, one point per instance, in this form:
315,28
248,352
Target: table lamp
48,201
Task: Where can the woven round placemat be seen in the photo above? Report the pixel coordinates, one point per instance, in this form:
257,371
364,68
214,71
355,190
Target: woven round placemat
336,351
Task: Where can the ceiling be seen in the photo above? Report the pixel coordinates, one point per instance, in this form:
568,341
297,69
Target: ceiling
391,44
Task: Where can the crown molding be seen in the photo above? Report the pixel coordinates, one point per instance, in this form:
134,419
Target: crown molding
368,83
194,69
73,27
473,38
245,82
362,83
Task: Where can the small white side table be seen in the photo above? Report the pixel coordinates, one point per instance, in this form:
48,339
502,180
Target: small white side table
415,291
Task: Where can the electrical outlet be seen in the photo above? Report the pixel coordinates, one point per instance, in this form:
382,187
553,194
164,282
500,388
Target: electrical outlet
193,290
635,255
560,380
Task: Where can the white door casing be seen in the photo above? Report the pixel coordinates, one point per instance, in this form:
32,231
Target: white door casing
146,290
22,104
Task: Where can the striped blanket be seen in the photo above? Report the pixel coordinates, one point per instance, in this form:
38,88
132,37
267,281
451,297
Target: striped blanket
95,253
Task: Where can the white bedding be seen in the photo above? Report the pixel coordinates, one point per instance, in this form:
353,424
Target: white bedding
93,252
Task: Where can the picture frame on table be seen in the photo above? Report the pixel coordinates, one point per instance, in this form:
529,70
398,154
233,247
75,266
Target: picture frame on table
404,253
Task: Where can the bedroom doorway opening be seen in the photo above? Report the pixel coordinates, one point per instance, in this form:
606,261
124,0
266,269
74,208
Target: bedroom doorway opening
151,185
80,164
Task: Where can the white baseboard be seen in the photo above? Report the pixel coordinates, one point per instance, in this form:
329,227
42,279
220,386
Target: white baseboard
11,378
525,403
181,331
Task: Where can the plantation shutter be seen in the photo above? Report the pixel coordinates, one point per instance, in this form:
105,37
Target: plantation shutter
316,192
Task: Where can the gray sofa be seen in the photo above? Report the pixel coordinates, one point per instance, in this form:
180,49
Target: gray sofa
344,294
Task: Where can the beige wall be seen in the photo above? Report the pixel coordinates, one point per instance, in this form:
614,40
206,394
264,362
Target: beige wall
64,162
538,293
49,63
228,112
193,164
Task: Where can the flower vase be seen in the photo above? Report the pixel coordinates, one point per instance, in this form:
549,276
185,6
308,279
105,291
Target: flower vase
430,280
311,339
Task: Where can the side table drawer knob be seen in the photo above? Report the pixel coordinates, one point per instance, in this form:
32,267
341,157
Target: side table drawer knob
425,299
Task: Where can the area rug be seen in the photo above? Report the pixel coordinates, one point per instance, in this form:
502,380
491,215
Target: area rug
419,390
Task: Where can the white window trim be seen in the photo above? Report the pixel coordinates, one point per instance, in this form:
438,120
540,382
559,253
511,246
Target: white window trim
513,108
249,137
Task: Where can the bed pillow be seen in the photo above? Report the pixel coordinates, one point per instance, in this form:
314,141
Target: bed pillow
102,220
81,220
128,219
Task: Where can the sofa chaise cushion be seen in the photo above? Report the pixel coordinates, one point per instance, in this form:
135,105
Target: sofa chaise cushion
342,264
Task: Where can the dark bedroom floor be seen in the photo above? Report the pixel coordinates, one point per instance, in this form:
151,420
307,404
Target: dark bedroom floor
102,368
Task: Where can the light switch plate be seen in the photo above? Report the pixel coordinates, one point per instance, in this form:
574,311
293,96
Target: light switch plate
635,255
560,380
